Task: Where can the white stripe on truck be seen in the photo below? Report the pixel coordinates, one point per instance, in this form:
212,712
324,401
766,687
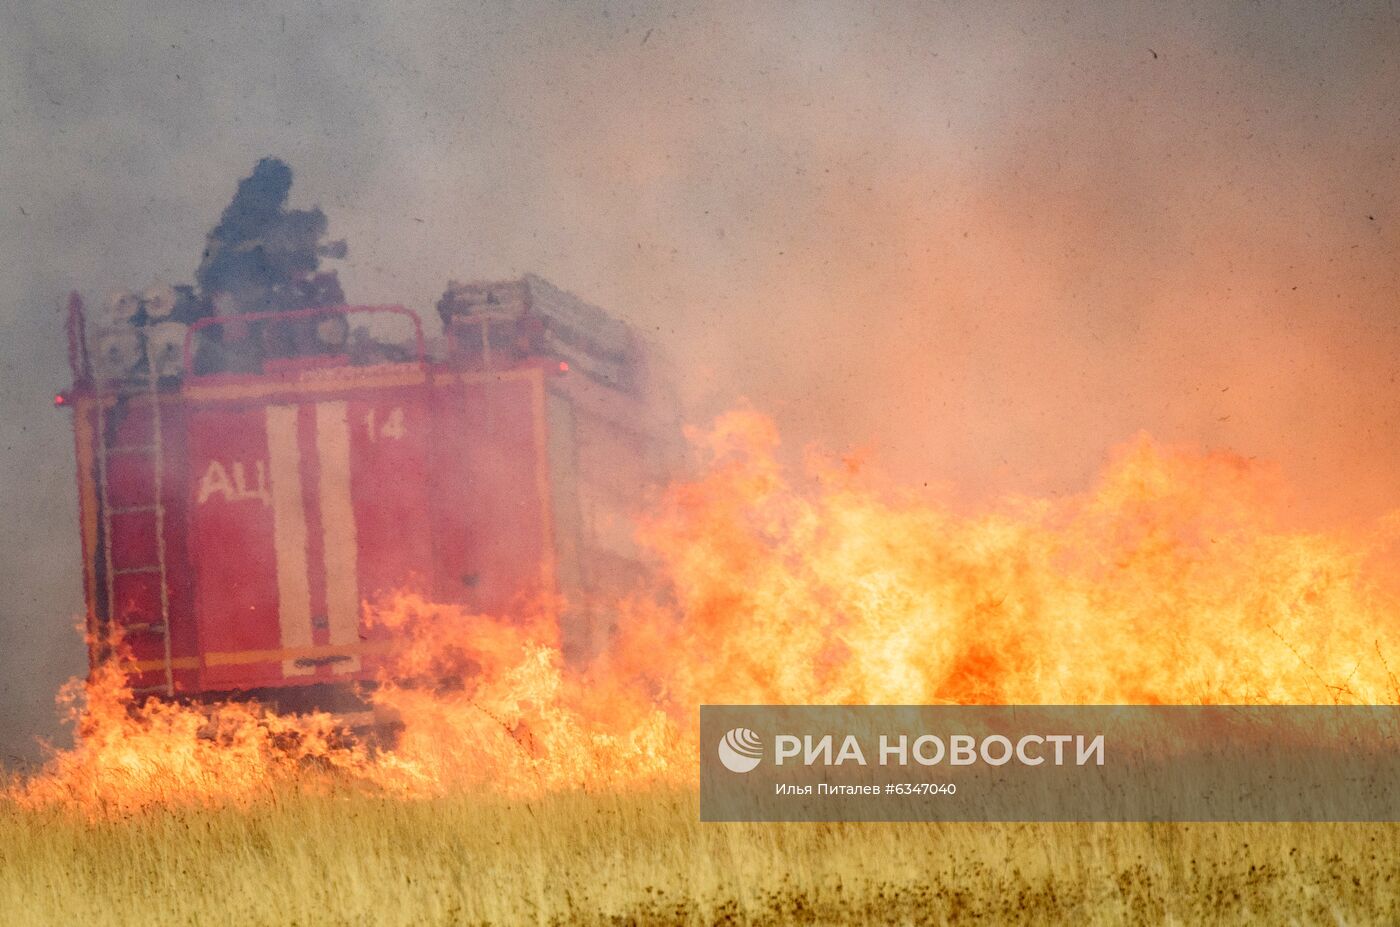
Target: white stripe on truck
338,529
289,533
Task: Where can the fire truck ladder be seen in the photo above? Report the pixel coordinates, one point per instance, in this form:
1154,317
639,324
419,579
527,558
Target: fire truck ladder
156,508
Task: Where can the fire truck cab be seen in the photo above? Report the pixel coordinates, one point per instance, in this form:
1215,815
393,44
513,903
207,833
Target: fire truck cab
247,483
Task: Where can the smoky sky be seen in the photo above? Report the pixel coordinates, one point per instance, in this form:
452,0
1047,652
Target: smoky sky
986,242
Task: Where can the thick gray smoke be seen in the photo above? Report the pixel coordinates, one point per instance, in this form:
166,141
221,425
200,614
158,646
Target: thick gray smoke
990,240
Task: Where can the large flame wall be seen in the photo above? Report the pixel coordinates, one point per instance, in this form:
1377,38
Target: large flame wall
1170,581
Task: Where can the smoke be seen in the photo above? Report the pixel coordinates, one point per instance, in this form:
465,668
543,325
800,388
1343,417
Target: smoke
990,243
993,246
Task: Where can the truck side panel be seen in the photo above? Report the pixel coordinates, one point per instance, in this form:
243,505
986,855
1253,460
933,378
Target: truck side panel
491,520
236,456
389,436
610,457
305,504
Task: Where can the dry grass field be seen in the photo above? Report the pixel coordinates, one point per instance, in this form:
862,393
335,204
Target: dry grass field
297,859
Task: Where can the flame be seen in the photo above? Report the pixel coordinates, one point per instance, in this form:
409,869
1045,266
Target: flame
131,754
1171,581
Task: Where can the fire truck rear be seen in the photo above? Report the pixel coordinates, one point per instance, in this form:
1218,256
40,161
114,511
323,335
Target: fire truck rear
248,482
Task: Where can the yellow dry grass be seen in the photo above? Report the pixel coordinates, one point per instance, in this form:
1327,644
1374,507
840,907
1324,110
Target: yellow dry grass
645,858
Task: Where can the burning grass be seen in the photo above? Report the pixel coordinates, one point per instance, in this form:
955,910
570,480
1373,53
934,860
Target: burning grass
1171,582
348,858
540,791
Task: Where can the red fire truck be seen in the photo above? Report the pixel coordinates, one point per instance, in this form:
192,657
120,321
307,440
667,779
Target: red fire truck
248,481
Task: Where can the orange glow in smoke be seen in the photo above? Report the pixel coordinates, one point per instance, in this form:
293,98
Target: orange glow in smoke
1170,581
